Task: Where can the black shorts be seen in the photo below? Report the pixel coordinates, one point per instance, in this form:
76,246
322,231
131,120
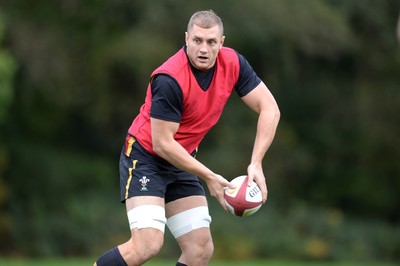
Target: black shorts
143,174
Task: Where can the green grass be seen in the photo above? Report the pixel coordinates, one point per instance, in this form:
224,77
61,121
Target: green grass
88,262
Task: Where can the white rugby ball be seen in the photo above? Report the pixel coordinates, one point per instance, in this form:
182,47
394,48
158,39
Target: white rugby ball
243,200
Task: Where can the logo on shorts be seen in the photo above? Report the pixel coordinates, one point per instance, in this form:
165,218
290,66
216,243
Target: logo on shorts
144,180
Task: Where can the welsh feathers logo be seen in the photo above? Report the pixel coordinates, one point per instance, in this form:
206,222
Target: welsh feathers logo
144,180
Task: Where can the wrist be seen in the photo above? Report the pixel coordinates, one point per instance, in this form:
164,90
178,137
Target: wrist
255,164
208,175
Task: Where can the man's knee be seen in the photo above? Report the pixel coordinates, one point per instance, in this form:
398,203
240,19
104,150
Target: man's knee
147,223
143,245
191,229
202,250
151,245
210,248
197,252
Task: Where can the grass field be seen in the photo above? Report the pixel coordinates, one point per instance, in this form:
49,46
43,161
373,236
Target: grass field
88,262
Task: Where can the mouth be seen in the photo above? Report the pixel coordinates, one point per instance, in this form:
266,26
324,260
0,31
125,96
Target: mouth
202,58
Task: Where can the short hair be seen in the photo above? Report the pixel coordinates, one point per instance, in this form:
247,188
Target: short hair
205,19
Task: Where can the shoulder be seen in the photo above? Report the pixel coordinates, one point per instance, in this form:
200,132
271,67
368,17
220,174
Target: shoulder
165,82
248,78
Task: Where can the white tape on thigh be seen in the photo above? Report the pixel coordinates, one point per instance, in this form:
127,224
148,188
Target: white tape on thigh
187,221
147,216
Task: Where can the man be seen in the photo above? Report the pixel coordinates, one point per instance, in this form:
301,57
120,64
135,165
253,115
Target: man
158,169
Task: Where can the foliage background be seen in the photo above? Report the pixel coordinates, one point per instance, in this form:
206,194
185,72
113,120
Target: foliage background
73,74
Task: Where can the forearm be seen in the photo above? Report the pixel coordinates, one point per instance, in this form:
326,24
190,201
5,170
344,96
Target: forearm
174,153
264,104
266,128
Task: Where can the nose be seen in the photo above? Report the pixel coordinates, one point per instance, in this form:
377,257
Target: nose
203,48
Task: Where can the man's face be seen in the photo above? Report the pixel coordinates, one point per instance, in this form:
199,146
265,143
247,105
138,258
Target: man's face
203,46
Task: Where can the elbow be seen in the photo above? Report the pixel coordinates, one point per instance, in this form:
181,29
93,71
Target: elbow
273,113
277,113
158,148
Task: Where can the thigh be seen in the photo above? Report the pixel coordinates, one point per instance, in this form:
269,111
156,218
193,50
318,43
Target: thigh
186,216
189,222
146,215
184,204
146,212
143,200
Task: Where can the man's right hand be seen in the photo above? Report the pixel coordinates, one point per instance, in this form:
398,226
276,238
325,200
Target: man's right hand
216,185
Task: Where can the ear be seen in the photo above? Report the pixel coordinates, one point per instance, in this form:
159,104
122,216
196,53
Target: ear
186,38
222,41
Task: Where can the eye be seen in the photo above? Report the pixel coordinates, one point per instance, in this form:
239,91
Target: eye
212,42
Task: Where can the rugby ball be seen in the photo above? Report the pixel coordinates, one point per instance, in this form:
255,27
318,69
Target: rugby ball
243,200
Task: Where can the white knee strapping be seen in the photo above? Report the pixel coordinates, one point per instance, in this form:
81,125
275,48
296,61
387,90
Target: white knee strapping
187,221
147,216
